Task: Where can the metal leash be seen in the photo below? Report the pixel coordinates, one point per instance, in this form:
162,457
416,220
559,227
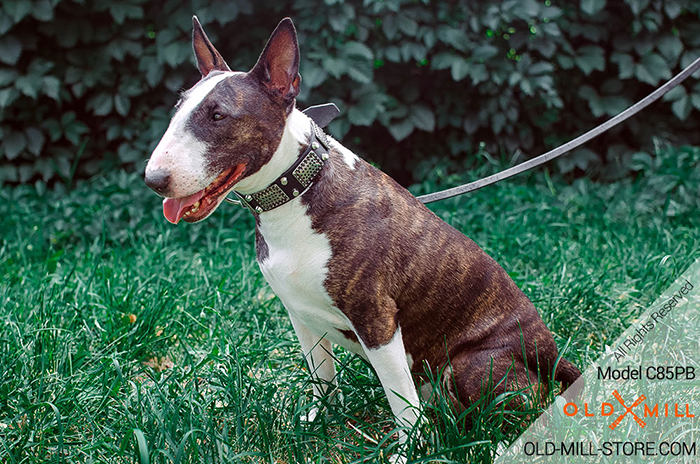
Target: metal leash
575,143
550,155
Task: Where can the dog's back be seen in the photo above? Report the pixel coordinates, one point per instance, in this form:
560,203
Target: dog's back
396,264
354,257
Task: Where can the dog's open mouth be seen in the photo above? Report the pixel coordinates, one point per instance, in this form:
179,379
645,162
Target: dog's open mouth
199,205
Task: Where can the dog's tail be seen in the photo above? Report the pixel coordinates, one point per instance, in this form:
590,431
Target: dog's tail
567,374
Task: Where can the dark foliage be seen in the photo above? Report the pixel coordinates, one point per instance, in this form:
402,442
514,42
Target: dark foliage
89,85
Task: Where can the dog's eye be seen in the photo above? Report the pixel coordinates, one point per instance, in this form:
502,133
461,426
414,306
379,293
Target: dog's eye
217,116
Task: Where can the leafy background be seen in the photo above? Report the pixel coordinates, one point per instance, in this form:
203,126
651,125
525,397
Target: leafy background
115,322
86,86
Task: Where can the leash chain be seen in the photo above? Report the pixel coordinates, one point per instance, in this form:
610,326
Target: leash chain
568,146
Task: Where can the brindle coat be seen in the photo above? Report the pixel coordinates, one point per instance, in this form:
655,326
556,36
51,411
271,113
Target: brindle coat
403,266
393,263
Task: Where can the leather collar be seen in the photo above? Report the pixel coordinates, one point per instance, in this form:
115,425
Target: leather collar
298,178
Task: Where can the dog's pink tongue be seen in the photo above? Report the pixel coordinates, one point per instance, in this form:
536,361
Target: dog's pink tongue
174,208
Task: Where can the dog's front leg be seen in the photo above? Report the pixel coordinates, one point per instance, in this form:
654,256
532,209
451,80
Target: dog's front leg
319,356
390,363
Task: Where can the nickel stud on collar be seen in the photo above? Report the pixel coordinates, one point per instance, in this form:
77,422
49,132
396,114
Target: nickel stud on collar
295,180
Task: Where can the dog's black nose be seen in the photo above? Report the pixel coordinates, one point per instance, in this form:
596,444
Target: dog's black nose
158,180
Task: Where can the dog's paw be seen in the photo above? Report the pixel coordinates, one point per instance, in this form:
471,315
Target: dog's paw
311,415
397,459
501,448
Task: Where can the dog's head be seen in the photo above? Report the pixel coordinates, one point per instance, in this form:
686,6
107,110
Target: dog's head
226,127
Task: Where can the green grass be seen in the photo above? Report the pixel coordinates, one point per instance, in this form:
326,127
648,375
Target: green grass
123,337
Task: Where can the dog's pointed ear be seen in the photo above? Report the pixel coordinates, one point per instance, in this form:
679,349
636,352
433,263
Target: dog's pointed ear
208,58
278,65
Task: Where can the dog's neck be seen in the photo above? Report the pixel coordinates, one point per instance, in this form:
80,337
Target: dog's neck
296,132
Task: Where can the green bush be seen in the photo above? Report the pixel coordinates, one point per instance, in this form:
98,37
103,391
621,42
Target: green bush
87,86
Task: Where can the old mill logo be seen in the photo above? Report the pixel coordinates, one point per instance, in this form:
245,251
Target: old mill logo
628,410
633,410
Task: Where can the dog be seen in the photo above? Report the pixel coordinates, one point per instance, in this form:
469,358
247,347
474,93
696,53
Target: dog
356,259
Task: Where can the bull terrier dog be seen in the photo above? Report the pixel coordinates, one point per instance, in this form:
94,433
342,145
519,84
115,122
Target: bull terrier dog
356,259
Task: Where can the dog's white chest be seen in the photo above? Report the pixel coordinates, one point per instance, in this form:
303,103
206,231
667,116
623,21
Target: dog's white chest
296,266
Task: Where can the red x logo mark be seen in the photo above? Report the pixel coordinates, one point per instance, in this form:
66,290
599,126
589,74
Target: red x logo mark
628,410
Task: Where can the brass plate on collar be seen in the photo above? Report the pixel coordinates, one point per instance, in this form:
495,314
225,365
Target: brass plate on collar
307,169
271,197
